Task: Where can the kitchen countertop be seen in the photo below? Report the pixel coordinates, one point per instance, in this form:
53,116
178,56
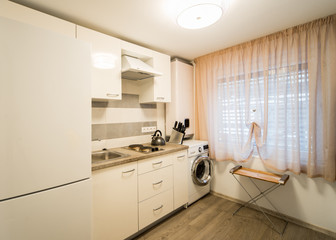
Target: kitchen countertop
133,156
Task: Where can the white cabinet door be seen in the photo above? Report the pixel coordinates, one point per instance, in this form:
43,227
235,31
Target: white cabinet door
115,202
106,63
181,175
30,16
162,84
157,89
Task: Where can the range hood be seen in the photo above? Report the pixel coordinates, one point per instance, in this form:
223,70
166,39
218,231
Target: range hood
135,69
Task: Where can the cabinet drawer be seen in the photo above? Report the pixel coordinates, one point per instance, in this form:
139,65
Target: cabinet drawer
155,182
155,208
154,163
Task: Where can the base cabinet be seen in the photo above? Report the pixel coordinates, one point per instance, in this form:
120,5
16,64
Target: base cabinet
115,202
129,197
181,175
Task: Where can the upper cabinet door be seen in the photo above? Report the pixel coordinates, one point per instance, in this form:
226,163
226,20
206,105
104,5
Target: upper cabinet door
157,89
106,63
162,84
30,16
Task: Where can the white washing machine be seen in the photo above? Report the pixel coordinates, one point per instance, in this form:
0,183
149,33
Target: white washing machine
200,167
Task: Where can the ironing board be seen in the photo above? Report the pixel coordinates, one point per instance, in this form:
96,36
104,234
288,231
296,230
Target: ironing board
277,180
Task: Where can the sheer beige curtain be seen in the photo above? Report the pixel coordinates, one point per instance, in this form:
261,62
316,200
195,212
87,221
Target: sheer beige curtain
276,96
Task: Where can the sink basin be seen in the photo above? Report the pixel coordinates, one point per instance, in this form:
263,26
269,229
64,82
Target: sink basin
106,155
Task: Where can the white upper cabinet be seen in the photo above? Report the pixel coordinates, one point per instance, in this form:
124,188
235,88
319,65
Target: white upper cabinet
30,16
156,89
106,63
137,51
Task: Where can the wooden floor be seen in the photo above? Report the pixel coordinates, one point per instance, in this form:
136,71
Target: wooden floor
211,218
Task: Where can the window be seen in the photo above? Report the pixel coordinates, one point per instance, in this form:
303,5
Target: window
285,86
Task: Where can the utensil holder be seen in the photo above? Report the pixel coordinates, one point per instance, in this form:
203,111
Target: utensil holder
176,137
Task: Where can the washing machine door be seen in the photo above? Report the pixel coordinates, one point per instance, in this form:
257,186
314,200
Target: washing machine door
201,170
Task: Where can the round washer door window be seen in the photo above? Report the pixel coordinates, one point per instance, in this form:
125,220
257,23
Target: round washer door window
201,170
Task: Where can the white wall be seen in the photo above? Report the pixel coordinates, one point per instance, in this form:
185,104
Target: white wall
310,200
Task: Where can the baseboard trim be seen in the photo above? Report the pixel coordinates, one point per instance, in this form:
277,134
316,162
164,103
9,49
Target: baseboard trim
288,218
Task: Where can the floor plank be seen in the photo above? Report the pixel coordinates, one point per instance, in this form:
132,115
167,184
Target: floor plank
211,219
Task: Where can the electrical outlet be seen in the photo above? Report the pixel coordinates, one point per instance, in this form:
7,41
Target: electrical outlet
148,129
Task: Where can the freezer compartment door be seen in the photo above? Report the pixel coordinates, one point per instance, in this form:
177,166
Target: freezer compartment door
45,109
59,214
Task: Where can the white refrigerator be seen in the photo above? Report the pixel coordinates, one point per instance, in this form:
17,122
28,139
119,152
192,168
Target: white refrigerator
45,159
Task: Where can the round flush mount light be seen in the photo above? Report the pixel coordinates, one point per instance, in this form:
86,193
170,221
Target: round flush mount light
199,16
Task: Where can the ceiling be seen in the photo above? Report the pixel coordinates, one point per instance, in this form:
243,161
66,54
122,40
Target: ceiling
152,23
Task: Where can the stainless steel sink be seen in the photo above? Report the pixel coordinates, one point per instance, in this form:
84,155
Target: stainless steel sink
106,155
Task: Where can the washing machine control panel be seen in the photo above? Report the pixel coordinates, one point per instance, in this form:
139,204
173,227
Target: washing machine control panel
197,150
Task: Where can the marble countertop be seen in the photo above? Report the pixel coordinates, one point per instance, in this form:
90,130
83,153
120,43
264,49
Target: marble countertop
132,156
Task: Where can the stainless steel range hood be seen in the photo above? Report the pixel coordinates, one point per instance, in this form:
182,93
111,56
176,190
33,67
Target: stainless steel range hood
135,69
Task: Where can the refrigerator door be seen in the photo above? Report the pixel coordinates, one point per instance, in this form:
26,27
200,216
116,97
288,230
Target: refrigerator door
59,214
45,109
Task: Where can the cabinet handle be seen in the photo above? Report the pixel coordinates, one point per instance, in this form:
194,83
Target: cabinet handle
157,163
155,209
160,98
179,157
112,94
132,170
158,182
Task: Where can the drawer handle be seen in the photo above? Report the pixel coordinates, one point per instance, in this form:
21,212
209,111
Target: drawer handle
132,170
157,163
160,98
158,182
193,152
155,209
112,94
179,157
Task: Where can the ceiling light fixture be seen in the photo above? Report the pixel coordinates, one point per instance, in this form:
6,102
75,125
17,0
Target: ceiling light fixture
199,16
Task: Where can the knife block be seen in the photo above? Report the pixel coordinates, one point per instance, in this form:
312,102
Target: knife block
176,137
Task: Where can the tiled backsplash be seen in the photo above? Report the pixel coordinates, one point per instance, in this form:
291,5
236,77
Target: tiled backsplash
119,130
119,123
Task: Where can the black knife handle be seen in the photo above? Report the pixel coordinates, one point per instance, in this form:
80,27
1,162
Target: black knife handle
175,125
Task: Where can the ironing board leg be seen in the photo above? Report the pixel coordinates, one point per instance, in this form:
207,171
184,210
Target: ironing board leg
256,198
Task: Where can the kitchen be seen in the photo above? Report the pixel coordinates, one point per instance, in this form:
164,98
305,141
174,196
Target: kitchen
136,109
